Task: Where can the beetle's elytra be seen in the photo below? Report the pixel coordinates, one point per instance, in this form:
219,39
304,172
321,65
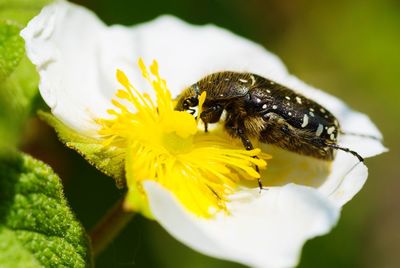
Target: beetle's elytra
257,107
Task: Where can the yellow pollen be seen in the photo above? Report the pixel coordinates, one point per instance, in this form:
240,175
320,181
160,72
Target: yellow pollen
161,144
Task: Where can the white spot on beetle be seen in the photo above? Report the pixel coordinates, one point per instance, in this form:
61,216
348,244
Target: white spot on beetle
243,80
264,106
312,110
269,91
258,100
320,129
289,113
330,130
253,80
298,99
305,121
274,107
226,79
311,113
332,137
221,95
287,97
326,116
223,116
336,122
322,110
272,82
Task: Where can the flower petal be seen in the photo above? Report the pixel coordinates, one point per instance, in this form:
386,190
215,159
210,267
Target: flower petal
186,53
62,42
346,179
263,230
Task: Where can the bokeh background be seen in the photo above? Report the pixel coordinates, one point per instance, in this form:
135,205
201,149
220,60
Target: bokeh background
350,49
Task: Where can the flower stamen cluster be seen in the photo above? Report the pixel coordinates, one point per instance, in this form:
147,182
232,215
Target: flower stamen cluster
167,146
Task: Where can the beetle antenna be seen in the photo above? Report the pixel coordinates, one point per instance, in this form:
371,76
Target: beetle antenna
337,147
341,181
361,135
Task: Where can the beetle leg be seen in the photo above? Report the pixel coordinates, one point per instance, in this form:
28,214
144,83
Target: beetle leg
249,146
211,115
245,140
231,125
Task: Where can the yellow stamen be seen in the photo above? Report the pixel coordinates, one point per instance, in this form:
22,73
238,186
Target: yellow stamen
201,101
164,145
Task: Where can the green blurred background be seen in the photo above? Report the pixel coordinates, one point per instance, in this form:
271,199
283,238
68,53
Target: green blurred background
351,49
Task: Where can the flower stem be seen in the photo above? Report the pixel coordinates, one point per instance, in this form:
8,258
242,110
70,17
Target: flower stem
109,227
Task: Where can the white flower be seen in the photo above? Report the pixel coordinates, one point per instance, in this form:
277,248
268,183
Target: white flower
77,55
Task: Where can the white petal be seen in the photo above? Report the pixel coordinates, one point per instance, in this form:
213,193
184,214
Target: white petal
62,42
263,230
186,53
354,122
346,179
348,174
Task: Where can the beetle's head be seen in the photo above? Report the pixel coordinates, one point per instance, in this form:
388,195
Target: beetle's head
188,99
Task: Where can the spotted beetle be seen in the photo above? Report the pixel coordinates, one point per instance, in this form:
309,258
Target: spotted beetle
260,108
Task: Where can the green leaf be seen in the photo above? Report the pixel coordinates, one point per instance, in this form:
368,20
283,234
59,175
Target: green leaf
110,161
11,48
37,228
18,77
14,96
21,11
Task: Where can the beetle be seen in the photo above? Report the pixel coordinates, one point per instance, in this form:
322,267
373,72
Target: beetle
257,107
